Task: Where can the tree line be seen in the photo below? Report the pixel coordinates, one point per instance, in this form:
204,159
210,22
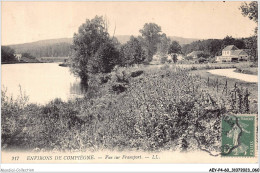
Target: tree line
8,56
214,47
61,49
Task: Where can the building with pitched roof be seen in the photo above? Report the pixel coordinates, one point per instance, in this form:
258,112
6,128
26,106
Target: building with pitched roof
18,56
195,54
231,53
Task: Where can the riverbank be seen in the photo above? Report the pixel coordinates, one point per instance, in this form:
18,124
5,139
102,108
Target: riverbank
137,108
231,82
231,73
206,66
53,59
248,70
2,63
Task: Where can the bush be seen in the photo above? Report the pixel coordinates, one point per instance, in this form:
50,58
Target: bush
118,88
104,79
163,59
137,73
202,60
194,68
188,58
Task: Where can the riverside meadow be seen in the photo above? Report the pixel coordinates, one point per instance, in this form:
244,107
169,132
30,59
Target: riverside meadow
145,91
137,108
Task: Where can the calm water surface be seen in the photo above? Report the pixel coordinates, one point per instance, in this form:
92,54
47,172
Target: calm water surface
41,82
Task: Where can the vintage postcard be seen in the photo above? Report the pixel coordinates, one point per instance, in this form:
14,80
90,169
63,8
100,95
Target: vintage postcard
129,82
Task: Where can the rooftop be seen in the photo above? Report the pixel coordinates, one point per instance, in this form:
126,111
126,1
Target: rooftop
230,47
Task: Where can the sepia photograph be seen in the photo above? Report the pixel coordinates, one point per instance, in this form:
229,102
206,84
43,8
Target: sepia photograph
129,82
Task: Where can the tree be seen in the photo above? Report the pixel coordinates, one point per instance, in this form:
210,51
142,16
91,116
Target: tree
104,60
92,51
213,47
174,58
174,48
151,34
7,54
132,52
251,11
28,55
203,55
163,45
228,40
251,45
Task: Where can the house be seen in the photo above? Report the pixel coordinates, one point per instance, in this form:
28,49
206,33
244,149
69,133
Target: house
195,54
232,53
18,56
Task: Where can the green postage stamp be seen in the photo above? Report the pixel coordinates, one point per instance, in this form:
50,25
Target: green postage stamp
238,135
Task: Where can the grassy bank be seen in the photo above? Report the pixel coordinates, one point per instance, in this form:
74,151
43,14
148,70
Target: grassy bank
215,65
231,83
247,70
135,108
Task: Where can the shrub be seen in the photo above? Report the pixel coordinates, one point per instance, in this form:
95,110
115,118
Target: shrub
104,79
194,68
189,58
137,73
118,88
201,60
163,60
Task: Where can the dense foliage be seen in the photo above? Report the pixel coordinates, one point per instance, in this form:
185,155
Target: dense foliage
150,110
93,51
163,45
7,55
213,47
132,52
174,48
28,55
151,35
251,11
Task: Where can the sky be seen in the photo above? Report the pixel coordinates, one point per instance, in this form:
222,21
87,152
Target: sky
24,22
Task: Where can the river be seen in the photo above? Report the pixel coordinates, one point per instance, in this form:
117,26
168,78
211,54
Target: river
230,73
41,82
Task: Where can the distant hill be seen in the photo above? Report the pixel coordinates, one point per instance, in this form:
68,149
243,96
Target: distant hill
124,38
45,48
61,47
183,40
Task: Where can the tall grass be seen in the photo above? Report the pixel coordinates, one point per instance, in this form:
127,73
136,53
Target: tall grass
159,109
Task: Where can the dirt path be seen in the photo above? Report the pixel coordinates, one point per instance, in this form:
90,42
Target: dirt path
231,74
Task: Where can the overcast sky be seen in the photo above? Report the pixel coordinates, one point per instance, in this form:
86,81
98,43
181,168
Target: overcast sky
32,21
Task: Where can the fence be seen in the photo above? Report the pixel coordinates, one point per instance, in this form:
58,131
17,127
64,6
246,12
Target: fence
239,96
